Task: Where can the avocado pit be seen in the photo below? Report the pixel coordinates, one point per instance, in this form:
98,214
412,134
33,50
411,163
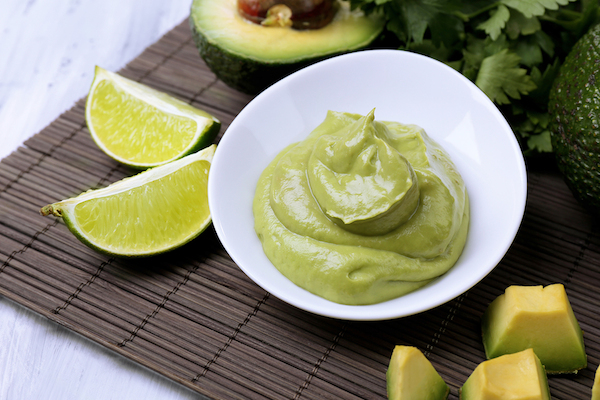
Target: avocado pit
298,14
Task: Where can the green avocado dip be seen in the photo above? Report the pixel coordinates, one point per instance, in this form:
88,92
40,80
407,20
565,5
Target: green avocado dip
362,211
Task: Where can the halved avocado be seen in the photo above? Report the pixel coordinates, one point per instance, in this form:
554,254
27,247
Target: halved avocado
250,57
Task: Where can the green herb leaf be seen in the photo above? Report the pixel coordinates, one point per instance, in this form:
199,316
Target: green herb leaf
446,30
493,26
500,77
512,49
519,25
529,52
541,142
531,8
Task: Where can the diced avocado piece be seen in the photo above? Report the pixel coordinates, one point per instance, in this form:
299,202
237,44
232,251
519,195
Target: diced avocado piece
596,386
410,376
517,376
249,57
535,317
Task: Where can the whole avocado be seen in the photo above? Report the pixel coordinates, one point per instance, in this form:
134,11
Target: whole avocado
574,107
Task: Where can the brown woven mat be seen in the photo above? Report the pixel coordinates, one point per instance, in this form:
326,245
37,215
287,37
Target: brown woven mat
194,317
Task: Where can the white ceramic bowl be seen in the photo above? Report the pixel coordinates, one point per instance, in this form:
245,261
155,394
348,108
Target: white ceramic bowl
403,87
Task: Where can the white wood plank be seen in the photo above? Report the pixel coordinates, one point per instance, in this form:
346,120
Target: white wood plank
48,49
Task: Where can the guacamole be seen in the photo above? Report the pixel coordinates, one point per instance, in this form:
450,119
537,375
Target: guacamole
362,211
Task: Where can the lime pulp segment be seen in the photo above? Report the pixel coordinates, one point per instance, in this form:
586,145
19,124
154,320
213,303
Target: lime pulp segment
150,213
152,217
132,129
142,127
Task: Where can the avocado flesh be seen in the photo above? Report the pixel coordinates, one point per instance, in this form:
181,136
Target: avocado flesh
574,107
249,57
596,386
410,375
535,317
518,376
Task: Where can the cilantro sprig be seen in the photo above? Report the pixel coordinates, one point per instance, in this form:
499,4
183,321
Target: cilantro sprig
511,49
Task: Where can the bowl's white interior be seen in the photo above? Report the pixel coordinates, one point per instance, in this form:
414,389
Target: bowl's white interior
403,87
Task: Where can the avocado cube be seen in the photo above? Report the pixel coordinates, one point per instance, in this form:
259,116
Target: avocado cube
535,317
517,376
596,386
411,376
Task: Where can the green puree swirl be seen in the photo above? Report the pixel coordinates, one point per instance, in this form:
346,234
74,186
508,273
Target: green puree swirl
362,211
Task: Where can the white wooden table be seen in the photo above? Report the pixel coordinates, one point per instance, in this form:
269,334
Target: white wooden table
48,49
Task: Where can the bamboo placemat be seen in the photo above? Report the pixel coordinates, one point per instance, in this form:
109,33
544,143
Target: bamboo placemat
194,317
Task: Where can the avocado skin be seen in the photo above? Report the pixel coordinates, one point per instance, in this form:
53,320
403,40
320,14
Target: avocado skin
574,107
244,74
251,76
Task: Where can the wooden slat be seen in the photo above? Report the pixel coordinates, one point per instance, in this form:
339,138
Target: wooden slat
193,315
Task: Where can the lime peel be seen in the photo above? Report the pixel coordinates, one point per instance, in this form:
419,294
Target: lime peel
150,213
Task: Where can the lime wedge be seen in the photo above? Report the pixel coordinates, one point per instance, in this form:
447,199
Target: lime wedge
149,213
143,127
